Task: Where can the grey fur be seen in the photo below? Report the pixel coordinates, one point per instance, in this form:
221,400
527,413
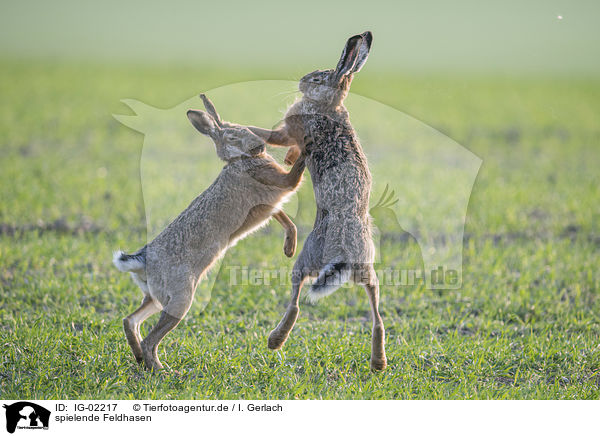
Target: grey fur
247,192
318,126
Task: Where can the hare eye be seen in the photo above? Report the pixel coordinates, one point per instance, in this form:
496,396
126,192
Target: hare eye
315,80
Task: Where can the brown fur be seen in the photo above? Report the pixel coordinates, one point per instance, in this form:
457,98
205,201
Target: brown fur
247,192
340,243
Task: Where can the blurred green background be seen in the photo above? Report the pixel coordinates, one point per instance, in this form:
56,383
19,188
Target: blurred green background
511,36
511,81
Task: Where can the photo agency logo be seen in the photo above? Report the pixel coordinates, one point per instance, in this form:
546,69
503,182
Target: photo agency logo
24,415
419,192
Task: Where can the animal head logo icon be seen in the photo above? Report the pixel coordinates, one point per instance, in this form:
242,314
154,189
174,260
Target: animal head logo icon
422,179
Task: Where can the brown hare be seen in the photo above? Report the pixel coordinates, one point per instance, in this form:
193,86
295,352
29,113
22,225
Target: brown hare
340,246
246,194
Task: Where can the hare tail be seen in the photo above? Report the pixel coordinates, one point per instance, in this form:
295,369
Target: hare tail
130,262
330,278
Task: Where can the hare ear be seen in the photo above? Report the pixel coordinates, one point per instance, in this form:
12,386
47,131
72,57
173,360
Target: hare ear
363,51
354,55
348,57
203,122
210,107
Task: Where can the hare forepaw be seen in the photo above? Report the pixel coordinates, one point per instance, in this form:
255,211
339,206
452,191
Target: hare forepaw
289,246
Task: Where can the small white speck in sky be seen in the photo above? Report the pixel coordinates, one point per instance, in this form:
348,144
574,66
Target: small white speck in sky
560,17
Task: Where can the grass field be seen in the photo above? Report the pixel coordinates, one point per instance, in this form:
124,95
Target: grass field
525,323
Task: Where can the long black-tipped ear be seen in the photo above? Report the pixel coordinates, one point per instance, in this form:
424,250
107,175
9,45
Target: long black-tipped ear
354,55
210,107
348,57
363,51
203,122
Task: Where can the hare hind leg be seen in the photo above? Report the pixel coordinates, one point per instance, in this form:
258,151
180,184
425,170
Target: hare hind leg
307,264
170,317
149,345
131,325
280,333
378,358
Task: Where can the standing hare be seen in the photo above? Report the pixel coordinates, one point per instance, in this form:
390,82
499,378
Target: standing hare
340,246
247,192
